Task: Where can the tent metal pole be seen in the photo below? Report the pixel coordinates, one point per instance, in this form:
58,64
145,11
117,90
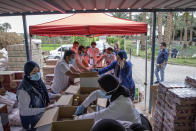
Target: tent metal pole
152,61
26,36
30,47
146,69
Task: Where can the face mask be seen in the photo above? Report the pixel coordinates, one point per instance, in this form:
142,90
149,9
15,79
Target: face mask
82,54
109,55
72,61
35,77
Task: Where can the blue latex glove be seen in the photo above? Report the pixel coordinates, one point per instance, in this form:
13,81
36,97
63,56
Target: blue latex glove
80,110
103,94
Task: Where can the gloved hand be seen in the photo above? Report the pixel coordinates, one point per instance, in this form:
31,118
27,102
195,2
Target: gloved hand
80,110
103,95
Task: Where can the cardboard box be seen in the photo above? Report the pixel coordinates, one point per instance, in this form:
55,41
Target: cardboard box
88,74
19,75
6,76
51,62
191,80
61,119
48,70
65,100
76,89
73,89
89,82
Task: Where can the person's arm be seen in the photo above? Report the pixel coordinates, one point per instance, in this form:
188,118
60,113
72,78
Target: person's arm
92,97
106,113
23,104
165,56
74,70
80,65
101,58
72,75
108,68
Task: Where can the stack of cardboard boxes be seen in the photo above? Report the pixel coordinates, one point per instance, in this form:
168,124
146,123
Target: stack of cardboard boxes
10,80
174,107
180,109
48,71
17,56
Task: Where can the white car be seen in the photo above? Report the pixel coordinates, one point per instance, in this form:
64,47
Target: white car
59,52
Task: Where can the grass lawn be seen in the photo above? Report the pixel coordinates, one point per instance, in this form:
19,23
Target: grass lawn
49,47
179,61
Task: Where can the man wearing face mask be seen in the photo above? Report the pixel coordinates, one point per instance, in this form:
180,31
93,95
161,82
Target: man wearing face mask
123,71
80,60
93,53
63,71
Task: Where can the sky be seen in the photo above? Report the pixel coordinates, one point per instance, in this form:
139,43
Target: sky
17,25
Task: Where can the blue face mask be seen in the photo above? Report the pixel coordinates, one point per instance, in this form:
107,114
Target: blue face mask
109,55
72,61
35,77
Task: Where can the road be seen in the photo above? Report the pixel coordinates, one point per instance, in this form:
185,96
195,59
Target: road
173,73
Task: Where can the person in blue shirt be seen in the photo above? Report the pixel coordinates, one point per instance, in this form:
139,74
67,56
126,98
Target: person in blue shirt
123,71
161,62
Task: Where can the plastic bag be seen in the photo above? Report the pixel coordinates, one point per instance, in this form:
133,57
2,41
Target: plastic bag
3,60
14,118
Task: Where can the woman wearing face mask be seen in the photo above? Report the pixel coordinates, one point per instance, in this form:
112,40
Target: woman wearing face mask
63,71
32,96
120,107
80,60
123,71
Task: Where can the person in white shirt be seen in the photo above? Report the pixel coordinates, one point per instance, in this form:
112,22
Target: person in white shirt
93,53
120,108
63,71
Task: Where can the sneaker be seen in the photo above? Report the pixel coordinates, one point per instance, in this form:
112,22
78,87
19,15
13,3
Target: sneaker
157,82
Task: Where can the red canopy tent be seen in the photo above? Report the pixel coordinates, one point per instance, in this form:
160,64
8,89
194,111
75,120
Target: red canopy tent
89,24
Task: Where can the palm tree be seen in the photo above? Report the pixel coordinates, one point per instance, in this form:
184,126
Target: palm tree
191,28
143,37
186,14
168,29
6,26
2,28
160,24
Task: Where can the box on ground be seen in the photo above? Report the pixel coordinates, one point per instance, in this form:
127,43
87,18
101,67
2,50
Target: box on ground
61,119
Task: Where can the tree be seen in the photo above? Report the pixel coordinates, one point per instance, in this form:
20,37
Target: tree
186,14
168,29
120,15
191,28
143,37
6,26
160,24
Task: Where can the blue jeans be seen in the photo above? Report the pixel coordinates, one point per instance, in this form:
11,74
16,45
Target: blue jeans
162,72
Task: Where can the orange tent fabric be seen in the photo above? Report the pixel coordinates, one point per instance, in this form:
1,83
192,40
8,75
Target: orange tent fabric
89,24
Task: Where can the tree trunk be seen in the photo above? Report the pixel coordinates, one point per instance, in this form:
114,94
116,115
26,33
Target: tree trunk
185,29
191,28
160,23
174,33
143,38
181,30
168,29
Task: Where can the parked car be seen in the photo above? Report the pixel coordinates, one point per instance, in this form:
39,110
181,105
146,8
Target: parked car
56,54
